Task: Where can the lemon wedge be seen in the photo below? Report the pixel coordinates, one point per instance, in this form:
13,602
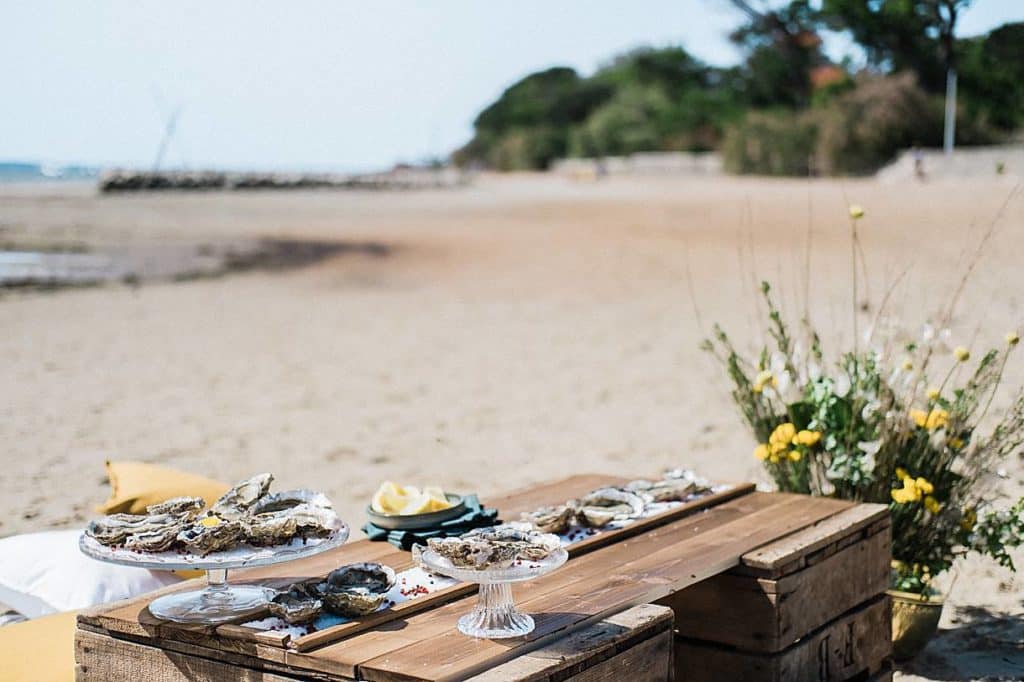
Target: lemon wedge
389,498
418,504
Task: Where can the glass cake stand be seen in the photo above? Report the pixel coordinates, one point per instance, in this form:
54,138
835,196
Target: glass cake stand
495,615
219,601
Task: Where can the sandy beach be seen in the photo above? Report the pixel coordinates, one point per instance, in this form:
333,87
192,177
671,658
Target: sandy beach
516,330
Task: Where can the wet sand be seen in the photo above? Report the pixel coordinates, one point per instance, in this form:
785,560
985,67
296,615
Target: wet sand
521,329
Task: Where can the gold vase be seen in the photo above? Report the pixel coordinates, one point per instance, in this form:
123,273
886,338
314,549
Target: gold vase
914,622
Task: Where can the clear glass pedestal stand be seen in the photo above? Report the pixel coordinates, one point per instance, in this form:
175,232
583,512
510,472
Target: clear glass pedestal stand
218,602
495,615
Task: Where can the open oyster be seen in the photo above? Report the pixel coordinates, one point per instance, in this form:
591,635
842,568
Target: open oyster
668,490
356,589
555,519
297,604
496,547
210,534
287,499
236,502
278,527
604,505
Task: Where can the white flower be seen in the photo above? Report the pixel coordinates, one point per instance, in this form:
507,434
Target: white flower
813,371
842,384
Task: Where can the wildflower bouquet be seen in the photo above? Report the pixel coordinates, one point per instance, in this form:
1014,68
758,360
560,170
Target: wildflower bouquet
871,426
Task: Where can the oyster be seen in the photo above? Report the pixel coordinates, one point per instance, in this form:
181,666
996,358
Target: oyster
668,490
177,505
157,536
604,505
236,502
555,519
118,529
496,547
278,527
356,589
700,483
477,553
297,604
210,534
287,499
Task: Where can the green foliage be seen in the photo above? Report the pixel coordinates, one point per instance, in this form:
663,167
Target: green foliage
785,109
869,426
771,143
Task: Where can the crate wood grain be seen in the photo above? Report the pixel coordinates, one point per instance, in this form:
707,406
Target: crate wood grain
788,588
856,646
635,644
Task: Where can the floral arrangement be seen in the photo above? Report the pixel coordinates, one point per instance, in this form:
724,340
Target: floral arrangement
871,425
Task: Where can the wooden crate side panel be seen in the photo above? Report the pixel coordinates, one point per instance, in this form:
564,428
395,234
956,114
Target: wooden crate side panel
856,646
795,551
105,659
637,639
763,615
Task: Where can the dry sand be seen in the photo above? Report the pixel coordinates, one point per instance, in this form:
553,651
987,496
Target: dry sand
520,329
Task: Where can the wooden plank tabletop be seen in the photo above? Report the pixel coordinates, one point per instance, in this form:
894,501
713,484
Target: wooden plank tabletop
426,646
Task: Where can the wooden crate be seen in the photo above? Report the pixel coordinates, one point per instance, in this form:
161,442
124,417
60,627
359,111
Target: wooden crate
635,644
810,606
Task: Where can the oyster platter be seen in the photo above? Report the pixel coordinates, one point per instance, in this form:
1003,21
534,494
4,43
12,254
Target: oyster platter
248,526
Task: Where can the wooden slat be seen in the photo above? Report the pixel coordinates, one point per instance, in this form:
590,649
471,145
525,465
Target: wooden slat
608,584
784,555
856,646
612,649
767,615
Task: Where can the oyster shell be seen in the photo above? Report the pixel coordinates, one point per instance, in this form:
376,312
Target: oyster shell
236,502
604,505
496,547
201,538
278,527
117,529
668,490
297,604
356,589
287,499
177,505
555,519
157,536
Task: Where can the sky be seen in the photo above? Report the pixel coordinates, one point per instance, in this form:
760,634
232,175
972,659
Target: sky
332,85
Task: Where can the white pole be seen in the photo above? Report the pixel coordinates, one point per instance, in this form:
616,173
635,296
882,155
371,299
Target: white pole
949,133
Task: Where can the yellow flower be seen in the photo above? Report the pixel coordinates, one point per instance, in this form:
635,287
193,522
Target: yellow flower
932,393
932,505
761,452
936,419
794,455
961,354
969,517
856,211
924,486
808,438
907,365
901,473
764,378
1012,339
773,458
783,434
956,443
901,496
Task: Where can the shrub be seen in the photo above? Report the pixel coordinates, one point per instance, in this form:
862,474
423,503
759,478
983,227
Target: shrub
771,143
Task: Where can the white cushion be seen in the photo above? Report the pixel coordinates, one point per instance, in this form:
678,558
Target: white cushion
42,573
